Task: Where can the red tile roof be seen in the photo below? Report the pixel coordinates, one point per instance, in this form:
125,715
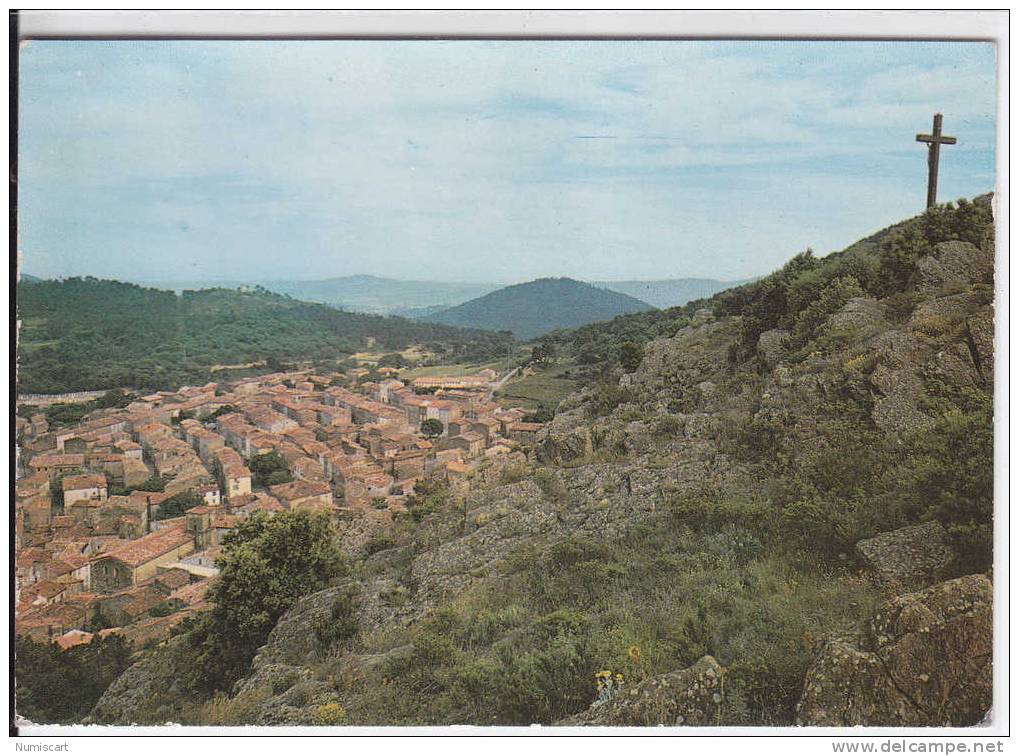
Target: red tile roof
147,548
78,482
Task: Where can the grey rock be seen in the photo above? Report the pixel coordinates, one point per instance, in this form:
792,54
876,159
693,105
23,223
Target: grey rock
771,346
856,314
927,661
691,697
908,558
954,263
558,448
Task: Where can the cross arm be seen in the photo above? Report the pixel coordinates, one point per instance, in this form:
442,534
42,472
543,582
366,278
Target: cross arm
932,139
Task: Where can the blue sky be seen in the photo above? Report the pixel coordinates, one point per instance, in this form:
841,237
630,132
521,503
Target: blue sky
482,161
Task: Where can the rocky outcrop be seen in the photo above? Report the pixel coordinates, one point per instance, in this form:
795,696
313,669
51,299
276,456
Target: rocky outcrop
145,694
924,660
559,448
898,382
954,263
696,353
908,558
692,696
856,314
771,346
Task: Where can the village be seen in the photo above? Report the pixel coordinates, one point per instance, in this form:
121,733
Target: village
120,519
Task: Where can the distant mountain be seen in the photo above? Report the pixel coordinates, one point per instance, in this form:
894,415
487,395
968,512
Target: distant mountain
381,295
418,313
536,307
670,292
27,278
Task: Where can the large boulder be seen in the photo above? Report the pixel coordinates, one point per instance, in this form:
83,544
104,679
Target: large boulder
924,660
771,346
559,448
898,382
955,263
692,696
908,558
857,313
146,693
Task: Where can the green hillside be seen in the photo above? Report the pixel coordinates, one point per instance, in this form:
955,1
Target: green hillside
86,333
536,307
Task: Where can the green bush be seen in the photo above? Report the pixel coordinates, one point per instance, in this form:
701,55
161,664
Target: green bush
54,686
379,542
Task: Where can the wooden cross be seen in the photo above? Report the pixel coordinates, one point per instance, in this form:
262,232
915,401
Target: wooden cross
934,142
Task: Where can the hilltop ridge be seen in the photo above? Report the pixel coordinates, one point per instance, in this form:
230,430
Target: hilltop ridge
537,307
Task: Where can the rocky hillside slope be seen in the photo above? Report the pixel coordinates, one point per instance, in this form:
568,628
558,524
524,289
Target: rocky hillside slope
781,516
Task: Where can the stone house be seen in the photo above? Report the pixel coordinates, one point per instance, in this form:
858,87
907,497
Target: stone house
83,487
139,560
472,444
237,480
304,494
56,464
523,433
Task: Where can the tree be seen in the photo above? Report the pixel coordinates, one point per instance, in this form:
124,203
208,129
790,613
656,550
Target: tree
268,563
278,478
57,493
57,686
178,504
432,428
543,414
266,466
226,409
393,360
630,355
114,398
543,352
154,484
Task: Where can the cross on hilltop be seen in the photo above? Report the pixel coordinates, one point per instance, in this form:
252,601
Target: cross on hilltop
934,141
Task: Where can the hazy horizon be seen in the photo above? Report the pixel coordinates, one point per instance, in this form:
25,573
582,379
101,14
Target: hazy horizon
237,280
481,161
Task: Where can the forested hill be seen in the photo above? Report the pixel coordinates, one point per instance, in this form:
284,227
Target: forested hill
87,333
536,307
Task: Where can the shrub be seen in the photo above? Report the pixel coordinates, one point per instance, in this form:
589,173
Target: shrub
340,625
630,355
329,715
544,674
551,486
242,709
831,299
61,686
669,426
605,397
379,542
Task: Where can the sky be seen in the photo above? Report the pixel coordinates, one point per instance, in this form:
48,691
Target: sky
485,161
